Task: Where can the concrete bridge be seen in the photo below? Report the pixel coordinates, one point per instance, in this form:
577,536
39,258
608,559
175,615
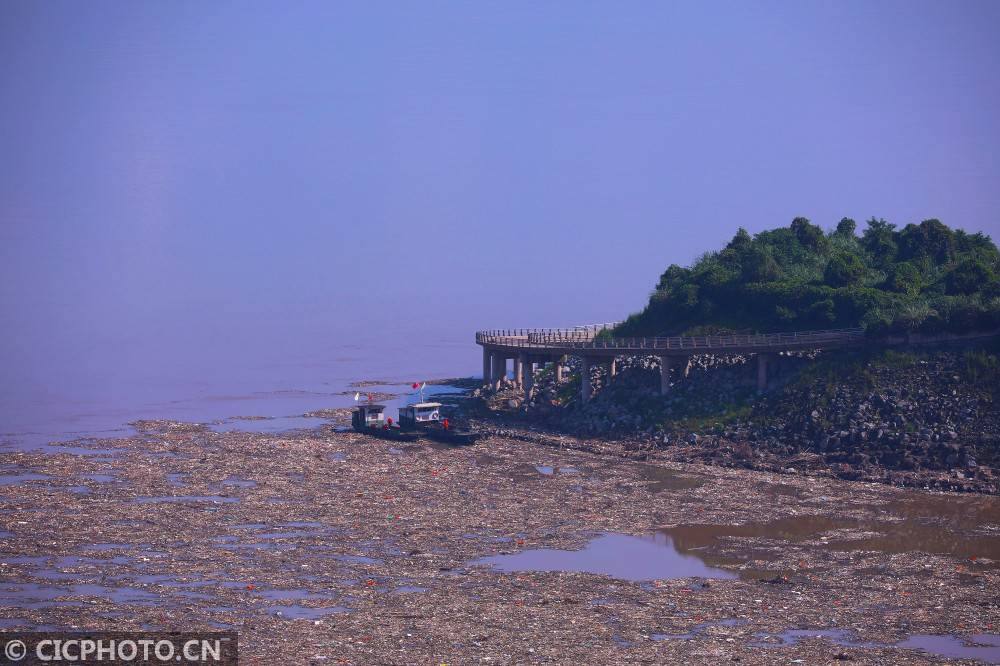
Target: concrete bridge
526,347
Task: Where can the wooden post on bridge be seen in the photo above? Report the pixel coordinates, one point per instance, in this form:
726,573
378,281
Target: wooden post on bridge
585,378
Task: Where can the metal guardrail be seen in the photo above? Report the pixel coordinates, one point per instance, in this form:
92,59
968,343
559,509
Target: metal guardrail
583,338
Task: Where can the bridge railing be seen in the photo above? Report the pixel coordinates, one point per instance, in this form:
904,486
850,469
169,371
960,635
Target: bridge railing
584,339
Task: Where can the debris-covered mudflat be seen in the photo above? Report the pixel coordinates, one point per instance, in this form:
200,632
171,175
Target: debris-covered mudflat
332,547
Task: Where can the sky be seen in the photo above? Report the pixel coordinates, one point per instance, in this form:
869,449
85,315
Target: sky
191,187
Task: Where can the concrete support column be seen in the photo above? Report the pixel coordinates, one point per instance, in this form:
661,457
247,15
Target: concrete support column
585,364
665,363
518,365
499,369
528,375
612,368
487,366
558,368
762,361
523,368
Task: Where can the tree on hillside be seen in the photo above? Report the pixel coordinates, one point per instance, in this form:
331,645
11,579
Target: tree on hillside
809,235
843,270
879,241
904,278
759,264
969,276
847,227
929,240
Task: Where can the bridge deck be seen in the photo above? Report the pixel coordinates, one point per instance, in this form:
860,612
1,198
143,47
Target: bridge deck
584,341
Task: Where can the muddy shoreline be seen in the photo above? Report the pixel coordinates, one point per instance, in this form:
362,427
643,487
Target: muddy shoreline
331,547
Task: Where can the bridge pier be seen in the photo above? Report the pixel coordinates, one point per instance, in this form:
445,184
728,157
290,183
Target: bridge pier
585,364
557,368
665,363
518,368
762,361
499,370
528,375
612,368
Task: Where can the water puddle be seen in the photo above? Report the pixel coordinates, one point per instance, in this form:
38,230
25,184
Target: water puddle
936,536
55,574
549,470
793,636
177,479
269,425
663,478
25,625
270,545
781,490
33,595
983,647
25,477
55,448
301,523
296,612
699,629
103,547
237,482
281,595
101,478
357,559
617,555
299,534
215,499
24,559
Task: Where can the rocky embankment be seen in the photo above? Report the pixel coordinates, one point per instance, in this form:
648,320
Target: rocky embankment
927,418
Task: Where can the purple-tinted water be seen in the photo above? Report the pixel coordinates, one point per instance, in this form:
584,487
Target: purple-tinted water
279,384
296,612
616,555
983,647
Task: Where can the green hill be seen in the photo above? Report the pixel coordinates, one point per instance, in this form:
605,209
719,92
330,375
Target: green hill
924,277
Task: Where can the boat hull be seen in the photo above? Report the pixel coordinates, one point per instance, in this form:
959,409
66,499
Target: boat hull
391,434
452,437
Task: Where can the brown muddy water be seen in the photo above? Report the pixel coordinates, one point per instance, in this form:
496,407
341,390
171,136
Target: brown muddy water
963,528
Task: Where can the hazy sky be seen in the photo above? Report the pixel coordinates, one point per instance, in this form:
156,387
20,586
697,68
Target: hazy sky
250,178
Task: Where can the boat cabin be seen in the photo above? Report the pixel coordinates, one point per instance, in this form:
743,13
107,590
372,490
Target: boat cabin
419,414
368,416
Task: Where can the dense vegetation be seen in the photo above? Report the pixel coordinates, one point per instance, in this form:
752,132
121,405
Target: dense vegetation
922,278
